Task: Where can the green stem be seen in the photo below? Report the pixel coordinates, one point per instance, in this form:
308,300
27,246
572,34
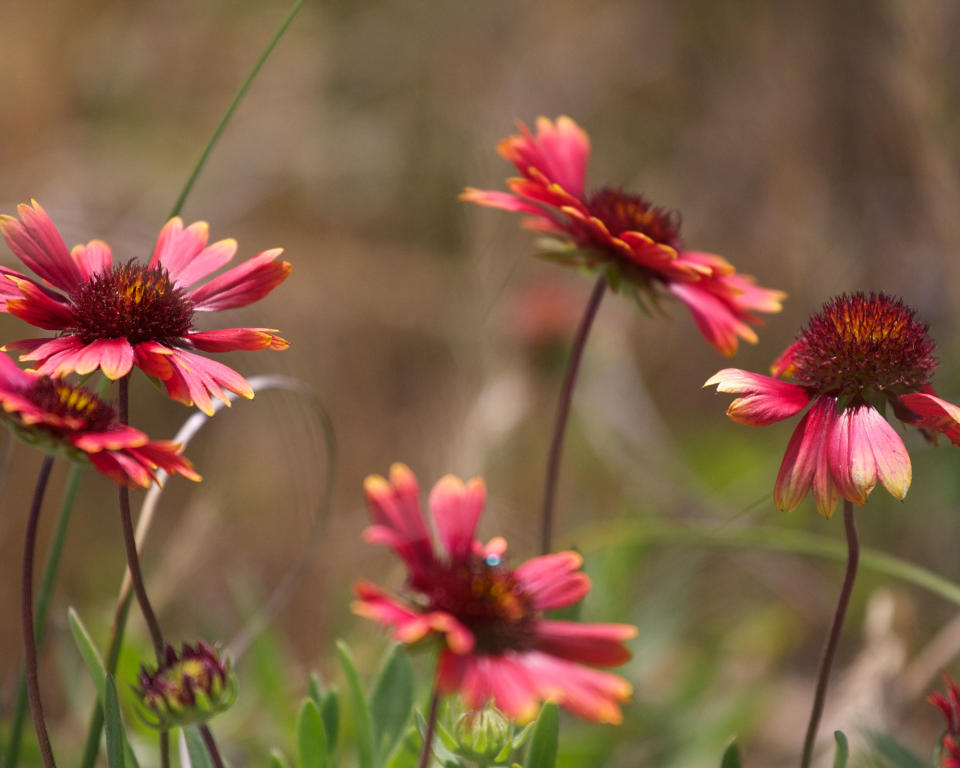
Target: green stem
772,539
47,582
215,137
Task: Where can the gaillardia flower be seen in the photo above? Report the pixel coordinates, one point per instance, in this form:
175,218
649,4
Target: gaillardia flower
496,644
189,687
636,244
114,316
59,417
856,356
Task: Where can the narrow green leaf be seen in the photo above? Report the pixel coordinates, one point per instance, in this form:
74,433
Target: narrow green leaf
330,713
111,715
365,749
543,744
894,753
440,751
88,651
278,760
311,737
315,689
392,700
731,757
196,749
843,750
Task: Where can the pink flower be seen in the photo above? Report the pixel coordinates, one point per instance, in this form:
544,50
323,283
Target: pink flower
59,417
950,706
496,643
636,244
857,355
114,316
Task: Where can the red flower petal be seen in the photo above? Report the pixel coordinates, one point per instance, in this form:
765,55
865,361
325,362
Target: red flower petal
242,285
38,244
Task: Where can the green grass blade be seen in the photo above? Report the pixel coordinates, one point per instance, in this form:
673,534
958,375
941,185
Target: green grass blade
843,750
731,757
365,750
392,700
98,672
245,86
769,538
311,737
543,744
115,734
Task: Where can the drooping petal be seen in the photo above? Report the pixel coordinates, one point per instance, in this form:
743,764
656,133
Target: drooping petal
893,462
122,469
38,244
242,285
718,324
230,339
851,460
165,455
511,686
199,376
456,509
94,258
113,356
826,494
935,413
765,400
117,438
803,451
598,644
590,693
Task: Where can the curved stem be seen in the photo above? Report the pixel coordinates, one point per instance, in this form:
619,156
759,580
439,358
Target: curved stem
563,411
431,726
826,660
26,615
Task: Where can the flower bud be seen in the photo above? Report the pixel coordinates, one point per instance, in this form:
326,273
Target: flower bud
484,735
188,688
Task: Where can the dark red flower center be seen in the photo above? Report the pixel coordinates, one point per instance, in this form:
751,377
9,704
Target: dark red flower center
134,302
623,212
487,599
860,344
60,399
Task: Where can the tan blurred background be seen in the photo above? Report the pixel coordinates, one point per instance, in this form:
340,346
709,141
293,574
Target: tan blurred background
814,144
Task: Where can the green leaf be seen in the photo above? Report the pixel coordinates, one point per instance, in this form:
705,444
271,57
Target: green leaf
365,748
440,751
330,713
277,759
111,716
731,757
88,651
843,750
311,737
392,699
196,749
315,689
543,744
894,753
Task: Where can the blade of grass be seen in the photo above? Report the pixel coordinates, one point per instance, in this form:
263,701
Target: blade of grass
215,137
768,538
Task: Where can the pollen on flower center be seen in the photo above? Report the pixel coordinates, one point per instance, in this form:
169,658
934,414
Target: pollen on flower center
488,600
623,212
134,302
60,399
859,343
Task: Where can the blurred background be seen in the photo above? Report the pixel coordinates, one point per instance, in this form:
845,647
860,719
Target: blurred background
812,143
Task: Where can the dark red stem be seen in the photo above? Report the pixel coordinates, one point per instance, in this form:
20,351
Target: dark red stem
431,726
26,615
826,660
563,412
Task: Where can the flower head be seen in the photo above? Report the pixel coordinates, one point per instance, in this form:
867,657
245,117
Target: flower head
634,242
189,687
57,416
859,354
113,316
489,618
950,706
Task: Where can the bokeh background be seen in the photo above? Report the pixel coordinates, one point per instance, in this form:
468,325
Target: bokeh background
813,143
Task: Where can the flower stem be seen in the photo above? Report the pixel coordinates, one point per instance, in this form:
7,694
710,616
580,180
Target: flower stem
431,726
47,581
26,615
563,411
826,660
211,746
181,198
